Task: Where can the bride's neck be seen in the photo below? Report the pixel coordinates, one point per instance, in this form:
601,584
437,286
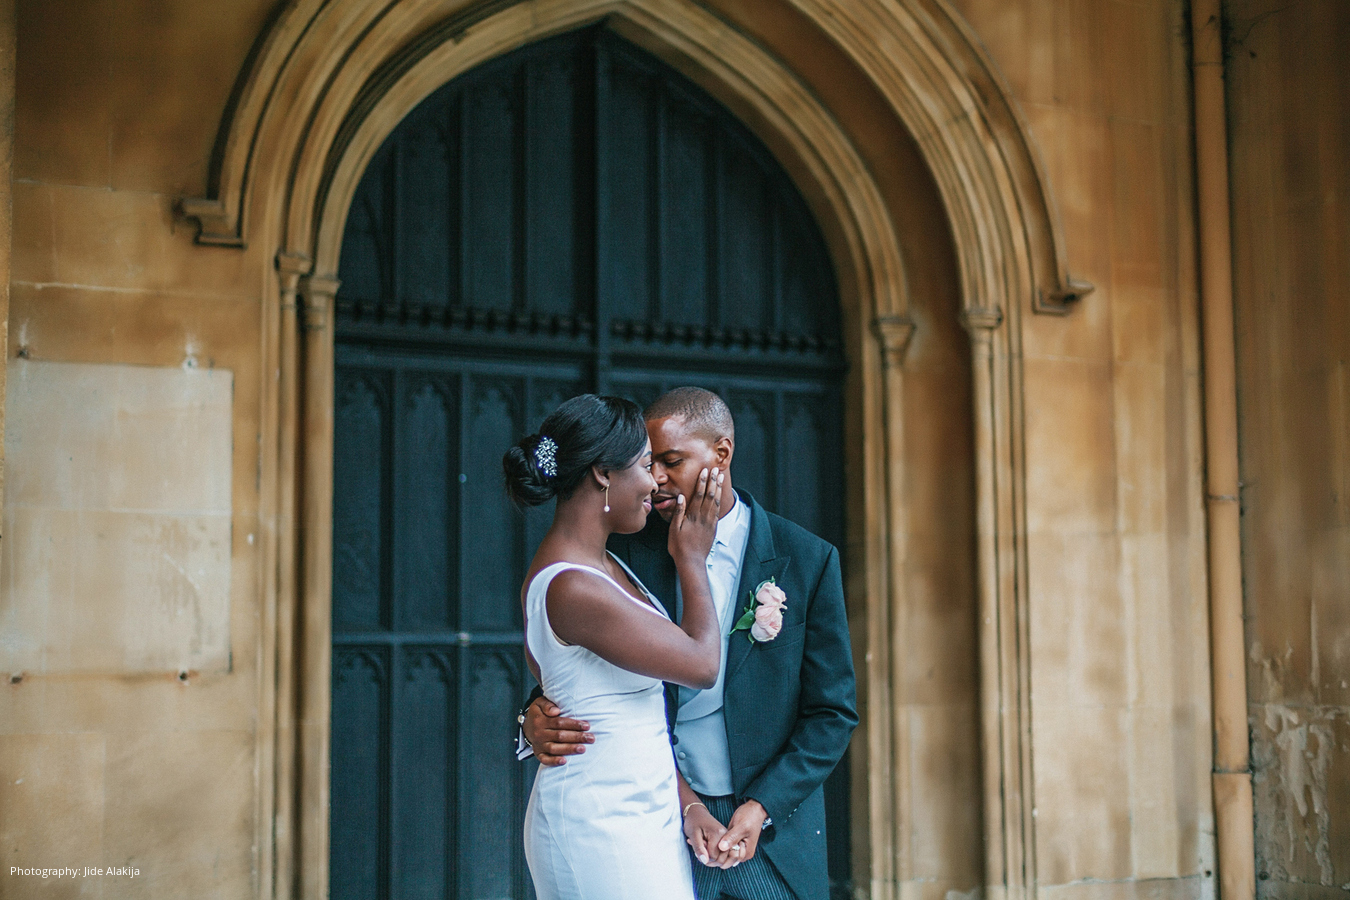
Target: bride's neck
579,527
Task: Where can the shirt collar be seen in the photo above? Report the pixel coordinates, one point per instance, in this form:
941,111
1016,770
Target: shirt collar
731,526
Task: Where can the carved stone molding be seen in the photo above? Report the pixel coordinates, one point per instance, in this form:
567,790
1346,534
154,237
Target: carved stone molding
894,333
980,321
943,86
1059,303
291,267
933,70
216,226
291,264
318,293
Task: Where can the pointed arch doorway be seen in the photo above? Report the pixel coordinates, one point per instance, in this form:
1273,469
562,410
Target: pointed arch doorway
330,80
574,215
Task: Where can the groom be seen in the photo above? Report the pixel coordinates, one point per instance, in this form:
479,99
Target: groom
757,746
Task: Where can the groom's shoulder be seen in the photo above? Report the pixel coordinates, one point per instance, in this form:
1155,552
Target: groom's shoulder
799,542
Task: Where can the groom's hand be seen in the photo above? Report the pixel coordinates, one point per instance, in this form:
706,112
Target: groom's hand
742,837
553,737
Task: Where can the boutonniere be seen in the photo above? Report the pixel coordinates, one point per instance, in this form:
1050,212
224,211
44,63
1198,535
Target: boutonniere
763,616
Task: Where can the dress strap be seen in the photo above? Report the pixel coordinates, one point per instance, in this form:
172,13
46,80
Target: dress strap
552,570
655,601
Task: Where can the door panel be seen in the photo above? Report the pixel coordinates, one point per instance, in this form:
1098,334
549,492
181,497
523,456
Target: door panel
360,466
573,216
358,772
426,530
425,732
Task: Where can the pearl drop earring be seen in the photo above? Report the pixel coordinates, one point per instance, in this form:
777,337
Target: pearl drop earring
606,498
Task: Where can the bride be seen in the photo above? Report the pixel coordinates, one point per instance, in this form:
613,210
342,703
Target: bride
607,826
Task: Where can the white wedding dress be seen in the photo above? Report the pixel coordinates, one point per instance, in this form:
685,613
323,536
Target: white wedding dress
606,824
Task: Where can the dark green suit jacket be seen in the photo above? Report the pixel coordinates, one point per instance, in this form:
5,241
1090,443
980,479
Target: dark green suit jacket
790,703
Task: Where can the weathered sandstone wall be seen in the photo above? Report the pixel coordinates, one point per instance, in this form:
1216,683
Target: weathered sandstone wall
1289,134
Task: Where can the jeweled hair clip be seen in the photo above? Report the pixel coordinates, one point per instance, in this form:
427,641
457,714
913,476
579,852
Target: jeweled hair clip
546,456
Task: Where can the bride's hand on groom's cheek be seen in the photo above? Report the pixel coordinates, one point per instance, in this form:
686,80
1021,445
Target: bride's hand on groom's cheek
554,737
702,832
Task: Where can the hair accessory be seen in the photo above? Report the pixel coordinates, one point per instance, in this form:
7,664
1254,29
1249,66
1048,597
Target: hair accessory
546,456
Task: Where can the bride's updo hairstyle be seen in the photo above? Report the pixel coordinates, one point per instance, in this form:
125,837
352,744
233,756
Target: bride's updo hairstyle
608,432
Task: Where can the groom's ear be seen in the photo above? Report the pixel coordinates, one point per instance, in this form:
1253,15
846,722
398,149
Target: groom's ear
723,450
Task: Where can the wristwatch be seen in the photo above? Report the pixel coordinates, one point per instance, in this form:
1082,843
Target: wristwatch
520,720
768,819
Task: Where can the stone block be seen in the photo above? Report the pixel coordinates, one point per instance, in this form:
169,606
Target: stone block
946,815
189,834
939,622
51,812
1143,889
118,515
1141,436
1078,621
1070,446
1139,220
32,256
1141,319
1082,784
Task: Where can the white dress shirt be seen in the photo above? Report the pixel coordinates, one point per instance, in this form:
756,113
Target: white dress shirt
700,730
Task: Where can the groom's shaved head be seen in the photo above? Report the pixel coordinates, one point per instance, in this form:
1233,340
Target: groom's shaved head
703,411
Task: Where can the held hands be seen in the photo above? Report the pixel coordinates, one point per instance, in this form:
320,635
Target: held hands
724,847
694,524
553,737
702,832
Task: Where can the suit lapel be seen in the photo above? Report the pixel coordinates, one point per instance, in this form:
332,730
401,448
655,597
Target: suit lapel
761,563
652,563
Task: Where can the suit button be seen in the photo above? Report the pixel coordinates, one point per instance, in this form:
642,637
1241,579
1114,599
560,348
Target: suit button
682,754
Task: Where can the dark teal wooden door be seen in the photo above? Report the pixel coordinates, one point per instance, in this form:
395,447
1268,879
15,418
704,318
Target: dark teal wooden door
574,216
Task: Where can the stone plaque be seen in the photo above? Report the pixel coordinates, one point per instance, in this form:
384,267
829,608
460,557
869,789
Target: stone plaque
116,549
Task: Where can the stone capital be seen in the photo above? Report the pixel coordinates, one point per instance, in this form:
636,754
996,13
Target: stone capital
894,334
317,293
980,321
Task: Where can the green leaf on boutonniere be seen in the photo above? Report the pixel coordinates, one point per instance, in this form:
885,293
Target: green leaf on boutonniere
746,620
748,617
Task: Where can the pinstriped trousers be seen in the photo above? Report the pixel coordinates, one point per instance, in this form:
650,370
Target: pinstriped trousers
753,880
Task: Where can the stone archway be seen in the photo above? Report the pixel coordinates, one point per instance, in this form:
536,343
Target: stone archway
329,81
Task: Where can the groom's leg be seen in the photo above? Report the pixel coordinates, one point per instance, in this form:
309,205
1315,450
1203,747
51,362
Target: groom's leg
756,879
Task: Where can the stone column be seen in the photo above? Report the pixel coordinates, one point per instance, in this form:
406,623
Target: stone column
889,630
1003,695
284,649
314,618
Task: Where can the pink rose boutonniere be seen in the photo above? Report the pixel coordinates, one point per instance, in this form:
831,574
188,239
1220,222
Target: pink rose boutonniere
763,616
